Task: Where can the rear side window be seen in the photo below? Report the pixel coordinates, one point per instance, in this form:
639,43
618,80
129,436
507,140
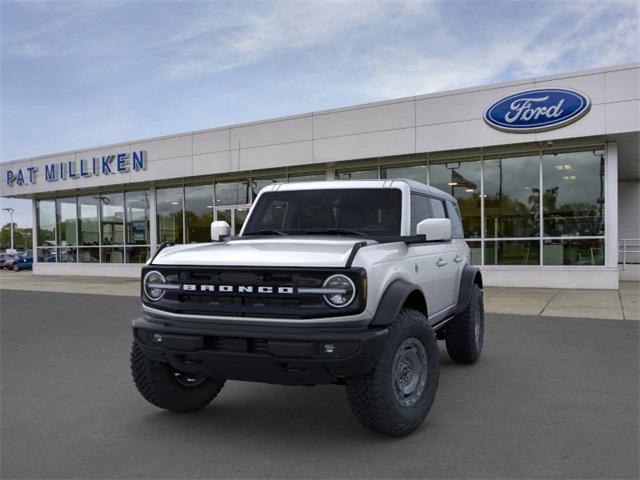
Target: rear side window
438,209
456,221
419,210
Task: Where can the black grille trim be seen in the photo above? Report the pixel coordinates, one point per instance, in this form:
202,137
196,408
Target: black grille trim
258,305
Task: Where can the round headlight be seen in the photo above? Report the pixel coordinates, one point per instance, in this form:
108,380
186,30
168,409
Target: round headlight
151,281
343,291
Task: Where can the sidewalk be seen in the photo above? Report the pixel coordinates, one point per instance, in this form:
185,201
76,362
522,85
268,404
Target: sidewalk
623,304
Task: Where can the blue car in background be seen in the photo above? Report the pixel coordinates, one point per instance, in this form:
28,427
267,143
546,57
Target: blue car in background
23,262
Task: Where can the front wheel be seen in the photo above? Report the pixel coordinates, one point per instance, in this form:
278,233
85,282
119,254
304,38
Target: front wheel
396,395
16,268
165,387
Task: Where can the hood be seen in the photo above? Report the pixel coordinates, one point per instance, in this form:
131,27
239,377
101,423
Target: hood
263,252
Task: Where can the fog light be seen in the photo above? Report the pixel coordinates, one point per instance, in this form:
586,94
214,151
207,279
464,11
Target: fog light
329,348
156,338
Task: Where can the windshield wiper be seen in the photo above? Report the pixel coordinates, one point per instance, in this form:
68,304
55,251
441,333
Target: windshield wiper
266,231
337,231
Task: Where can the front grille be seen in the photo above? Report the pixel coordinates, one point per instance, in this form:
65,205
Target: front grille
254,304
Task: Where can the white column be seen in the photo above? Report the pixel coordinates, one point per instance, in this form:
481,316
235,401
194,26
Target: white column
153,218
611,205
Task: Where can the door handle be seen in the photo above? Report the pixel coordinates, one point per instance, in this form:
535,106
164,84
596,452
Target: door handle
441,262
458,259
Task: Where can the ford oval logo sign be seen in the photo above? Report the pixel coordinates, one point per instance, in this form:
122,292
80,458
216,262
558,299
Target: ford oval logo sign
537,110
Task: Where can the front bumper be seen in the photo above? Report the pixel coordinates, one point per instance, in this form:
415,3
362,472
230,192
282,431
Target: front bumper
283,355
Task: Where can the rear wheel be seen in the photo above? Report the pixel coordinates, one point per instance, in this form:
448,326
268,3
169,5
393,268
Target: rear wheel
464,335
16,268
163,386
396,395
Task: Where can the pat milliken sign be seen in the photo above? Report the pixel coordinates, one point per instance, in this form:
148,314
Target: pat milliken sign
105,165
537,110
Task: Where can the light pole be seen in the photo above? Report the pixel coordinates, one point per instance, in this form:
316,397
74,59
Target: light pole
11,212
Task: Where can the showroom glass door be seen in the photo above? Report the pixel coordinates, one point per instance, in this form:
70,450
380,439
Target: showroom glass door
234,216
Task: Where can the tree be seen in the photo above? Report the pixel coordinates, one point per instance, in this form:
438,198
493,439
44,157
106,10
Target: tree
21,237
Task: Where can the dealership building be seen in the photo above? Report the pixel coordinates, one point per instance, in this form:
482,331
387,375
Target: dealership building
546,172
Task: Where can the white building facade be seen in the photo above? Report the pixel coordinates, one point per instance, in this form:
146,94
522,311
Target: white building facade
546,172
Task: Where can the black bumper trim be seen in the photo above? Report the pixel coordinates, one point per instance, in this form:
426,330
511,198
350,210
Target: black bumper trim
270,355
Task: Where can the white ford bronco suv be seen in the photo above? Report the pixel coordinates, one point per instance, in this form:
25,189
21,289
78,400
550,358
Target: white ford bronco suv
347,282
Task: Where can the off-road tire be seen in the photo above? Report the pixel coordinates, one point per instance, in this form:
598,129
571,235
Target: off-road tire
157,384
464,335
372,398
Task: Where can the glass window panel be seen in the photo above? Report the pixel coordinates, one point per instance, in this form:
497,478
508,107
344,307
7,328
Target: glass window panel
112,255
512,252
512,197
475,248
89,255
437,208
574,252
368,174
224,215
573,198
308,177
137,254
67,222
232,193
88,220
413,172
239,218
258,184
47,254
67,255
137,218
112,218
420,210
46,222
462,181
198,212
169,207
457,230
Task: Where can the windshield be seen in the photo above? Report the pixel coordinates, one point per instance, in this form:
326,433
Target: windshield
363,212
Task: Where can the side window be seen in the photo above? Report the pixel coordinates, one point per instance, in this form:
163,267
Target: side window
437,207
419,210
456,222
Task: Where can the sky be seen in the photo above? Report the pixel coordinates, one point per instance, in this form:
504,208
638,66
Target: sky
87,73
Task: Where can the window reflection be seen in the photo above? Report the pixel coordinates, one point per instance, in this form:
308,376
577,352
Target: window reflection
112,206
308,177
412,172
512,197
573,199
574,252
258,184
46,219
232,193
365,174
137,218
88,220
462,181
198,212
512,252
169,207
67,213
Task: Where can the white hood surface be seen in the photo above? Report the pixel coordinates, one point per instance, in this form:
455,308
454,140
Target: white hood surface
291,251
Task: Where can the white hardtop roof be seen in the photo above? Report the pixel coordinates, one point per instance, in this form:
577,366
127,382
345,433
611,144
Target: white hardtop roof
413,185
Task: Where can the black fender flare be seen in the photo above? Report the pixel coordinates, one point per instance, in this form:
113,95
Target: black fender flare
392,301
470,275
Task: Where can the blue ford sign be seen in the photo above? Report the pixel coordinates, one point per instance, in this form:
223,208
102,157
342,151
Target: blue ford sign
537,110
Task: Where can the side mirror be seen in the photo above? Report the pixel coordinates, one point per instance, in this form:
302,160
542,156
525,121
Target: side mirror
219,229
435,229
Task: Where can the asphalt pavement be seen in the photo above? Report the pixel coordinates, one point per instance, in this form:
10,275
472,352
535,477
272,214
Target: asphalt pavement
549,398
